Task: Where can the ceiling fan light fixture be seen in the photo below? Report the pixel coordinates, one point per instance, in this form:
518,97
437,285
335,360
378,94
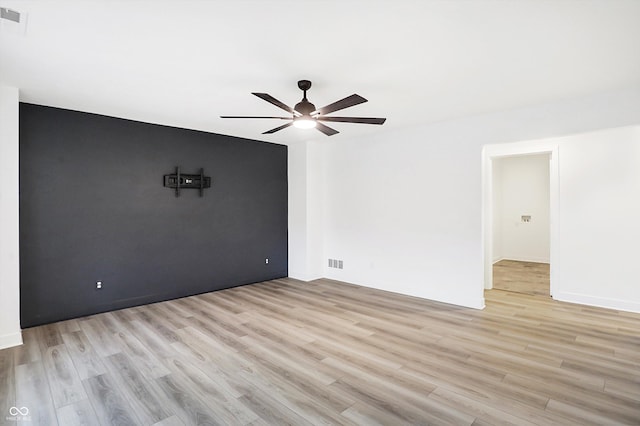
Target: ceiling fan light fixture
304,122
305,115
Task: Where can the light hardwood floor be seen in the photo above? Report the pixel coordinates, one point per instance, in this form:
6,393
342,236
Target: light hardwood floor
521,277
288,352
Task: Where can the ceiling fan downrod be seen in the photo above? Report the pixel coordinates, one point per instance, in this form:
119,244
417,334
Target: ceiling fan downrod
304,107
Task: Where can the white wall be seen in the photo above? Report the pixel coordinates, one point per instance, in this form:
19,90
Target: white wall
404,216
10,334
599,240
306,186
403,208
521,187
297,220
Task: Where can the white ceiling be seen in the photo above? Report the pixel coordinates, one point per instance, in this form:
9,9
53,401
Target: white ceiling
184,63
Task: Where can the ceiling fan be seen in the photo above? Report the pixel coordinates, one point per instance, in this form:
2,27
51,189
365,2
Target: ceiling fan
305,115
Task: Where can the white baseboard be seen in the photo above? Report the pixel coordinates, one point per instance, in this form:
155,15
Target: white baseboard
10,340
601,302
304,277
525,259
467,302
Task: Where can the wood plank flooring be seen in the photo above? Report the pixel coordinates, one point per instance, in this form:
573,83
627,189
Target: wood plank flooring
521,277
288,352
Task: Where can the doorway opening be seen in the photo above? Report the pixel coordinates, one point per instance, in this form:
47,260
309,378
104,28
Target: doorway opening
520,208
520,217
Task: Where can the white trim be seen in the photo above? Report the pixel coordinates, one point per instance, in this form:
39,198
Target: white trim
480,305
10,340
306,277
602,302
10,334
490,152
524,259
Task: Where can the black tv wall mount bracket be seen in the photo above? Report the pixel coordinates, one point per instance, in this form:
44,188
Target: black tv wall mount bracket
180,180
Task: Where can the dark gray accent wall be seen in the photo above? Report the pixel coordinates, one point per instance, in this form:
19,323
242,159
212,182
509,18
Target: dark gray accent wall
93,208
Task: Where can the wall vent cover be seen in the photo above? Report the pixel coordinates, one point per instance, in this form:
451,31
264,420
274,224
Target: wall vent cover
13,22
335,263
10,15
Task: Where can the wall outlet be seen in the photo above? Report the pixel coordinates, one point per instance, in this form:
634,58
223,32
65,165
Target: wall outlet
525,218
266,261
98,285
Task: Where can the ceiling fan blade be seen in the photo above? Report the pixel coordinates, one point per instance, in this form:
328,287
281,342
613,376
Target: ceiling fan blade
275,102
326,129
277,129
363,120
347,102
251,116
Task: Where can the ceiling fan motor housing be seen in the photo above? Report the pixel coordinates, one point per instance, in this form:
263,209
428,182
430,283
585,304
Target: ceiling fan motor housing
305,107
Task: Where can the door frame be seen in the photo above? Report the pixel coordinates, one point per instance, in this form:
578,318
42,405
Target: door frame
495,151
